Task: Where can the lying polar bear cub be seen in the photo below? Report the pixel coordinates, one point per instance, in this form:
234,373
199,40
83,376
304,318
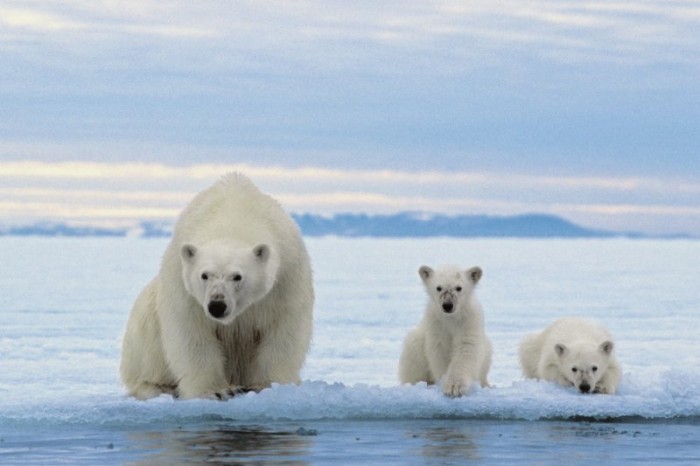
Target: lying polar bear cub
450,342
573,352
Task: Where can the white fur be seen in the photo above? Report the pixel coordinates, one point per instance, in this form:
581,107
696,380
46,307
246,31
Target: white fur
574,353
449,343
232,304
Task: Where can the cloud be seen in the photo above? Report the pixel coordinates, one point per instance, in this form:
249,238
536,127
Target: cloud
72,19
327,177
583,109
114,192
35,20
313,30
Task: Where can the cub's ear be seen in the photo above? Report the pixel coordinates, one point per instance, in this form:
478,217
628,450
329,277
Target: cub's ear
187,252
560,349
425,272
606,347
261,252
475,274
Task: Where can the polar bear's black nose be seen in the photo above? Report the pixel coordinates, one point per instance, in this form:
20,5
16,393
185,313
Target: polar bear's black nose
217,308
584,387
447,306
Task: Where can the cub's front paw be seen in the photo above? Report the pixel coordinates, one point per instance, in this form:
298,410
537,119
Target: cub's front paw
604,390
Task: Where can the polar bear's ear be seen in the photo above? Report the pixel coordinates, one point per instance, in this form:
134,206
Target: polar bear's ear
606,347
261,252
187,252
425,272
560,349
475,274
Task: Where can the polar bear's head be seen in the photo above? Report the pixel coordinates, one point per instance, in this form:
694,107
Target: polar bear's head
584,364
449,287
227,280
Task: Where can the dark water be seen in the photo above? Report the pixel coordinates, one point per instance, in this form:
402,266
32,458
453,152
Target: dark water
361,442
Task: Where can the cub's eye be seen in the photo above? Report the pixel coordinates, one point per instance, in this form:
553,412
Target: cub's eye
594,368
205,276
237,277
459,288
574,370
439,288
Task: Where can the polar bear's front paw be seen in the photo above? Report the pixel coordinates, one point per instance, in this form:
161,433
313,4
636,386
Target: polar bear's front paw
455,388
229,393
604,390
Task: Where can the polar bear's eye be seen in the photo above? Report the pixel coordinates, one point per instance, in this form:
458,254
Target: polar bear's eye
458,289
237,277
439,288
594,368
205,276
573,369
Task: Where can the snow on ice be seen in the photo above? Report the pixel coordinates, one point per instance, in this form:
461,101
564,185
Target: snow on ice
65,303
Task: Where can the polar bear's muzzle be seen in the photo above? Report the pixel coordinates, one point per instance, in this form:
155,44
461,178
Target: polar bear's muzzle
217,308
447,300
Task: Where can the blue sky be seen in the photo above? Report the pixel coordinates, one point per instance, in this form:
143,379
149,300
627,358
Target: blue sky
588,110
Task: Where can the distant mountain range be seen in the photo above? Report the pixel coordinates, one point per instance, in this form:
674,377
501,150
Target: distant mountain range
409,224
403,225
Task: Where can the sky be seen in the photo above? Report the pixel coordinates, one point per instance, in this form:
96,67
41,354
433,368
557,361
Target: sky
119,111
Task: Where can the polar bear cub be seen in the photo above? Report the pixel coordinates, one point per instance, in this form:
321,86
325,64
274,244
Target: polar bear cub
449,343
575,353
231,307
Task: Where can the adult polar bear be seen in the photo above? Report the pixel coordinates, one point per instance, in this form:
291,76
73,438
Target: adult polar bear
231,308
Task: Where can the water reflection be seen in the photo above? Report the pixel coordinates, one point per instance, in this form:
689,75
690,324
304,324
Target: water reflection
224,444
430,441
447,442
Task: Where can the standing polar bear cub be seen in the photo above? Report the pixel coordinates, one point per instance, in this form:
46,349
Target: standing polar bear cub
449,344
231,307
575,353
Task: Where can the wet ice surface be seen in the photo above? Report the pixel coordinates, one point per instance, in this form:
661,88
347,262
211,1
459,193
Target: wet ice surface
65,303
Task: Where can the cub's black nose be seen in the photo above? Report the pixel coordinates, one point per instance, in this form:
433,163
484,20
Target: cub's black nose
584,387
447,307
217,308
